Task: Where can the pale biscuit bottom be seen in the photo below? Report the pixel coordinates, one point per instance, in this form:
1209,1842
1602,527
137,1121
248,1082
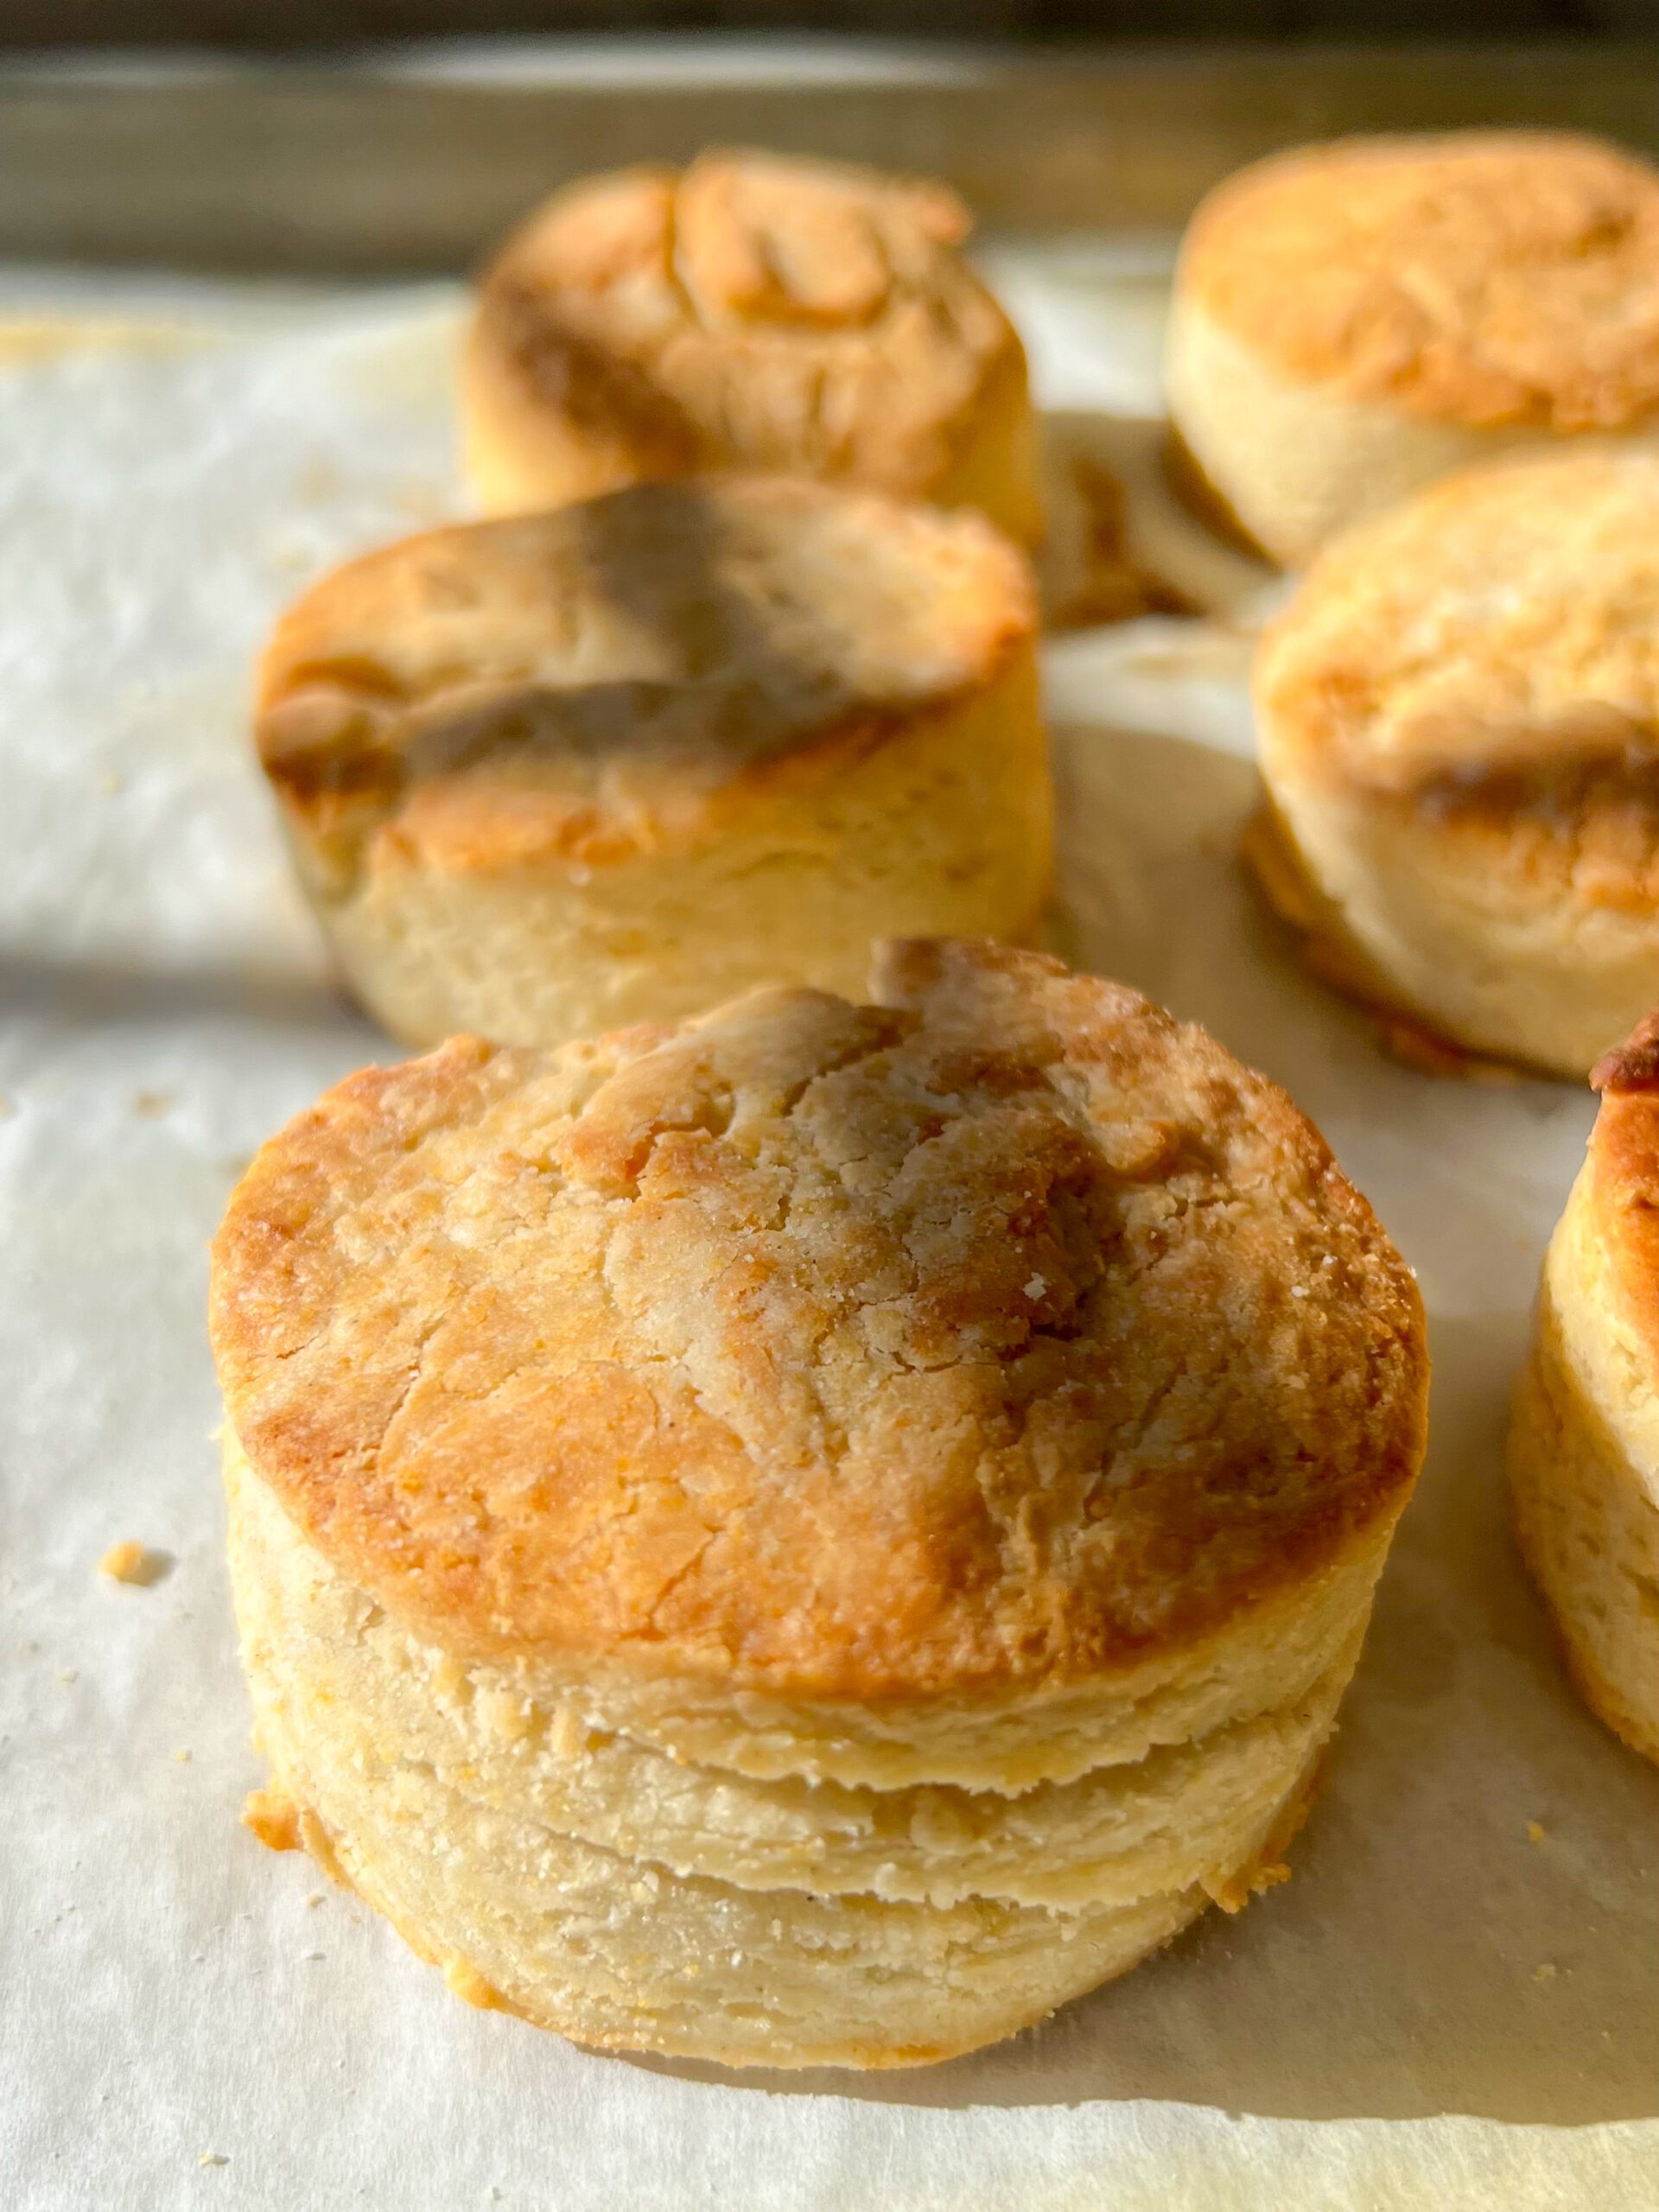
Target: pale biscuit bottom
1479,956
940,827
1585,1516
1294,462
601,1889
614,1953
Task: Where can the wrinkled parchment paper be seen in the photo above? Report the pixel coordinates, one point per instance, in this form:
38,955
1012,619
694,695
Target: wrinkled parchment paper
1452,2003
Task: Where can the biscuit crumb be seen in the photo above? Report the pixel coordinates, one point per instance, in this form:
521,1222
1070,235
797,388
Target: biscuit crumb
149,1105
1536,1831
1545,1972
274,1818
136,1563
212,2158
181,1759
68,1675
316,1898
1234,1895
466,1983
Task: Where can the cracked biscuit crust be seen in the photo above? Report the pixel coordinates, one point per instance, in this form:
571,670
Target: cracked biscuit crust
1491,278
749,312
612,678
1001,1332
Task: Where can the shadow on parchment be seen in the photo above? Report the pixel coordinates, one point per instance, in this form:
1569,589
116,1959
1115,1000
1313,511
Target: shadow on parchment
1475,1907
103,991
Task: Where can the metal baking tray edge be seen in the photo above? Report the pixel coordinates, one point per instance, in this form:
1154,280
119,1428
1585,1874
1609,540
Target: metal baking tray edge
406,162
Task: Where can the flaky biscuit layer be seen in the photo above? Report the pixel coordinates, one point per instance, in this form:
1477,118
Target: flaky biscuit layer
1184,1814
755,1931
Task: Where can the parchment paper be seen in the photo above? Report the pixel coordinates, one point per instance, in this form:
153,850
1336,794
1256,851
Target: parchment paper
1449,2005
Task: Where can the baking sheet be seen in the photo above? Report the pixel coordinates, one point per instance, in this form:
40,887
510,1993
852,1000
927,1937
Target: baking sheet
1451,2002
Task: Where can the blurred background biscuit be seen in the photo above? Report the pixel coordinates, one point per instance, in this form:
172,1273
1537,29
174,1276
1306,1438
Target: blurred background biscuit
1458,717
750,312
1354,320
553,774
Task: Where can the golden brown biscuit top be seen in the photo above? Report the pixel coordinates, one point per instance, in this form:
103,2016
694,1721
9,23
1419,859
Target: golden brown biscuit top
1488,651
1000,1332
1485,277
753,310
588,683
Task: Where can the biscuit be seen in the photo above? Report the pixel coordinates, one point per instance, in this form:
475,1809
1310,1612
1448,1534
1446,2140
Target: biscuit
1458,717
747,313
816,1536
1354,320
553,774
1584,1440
